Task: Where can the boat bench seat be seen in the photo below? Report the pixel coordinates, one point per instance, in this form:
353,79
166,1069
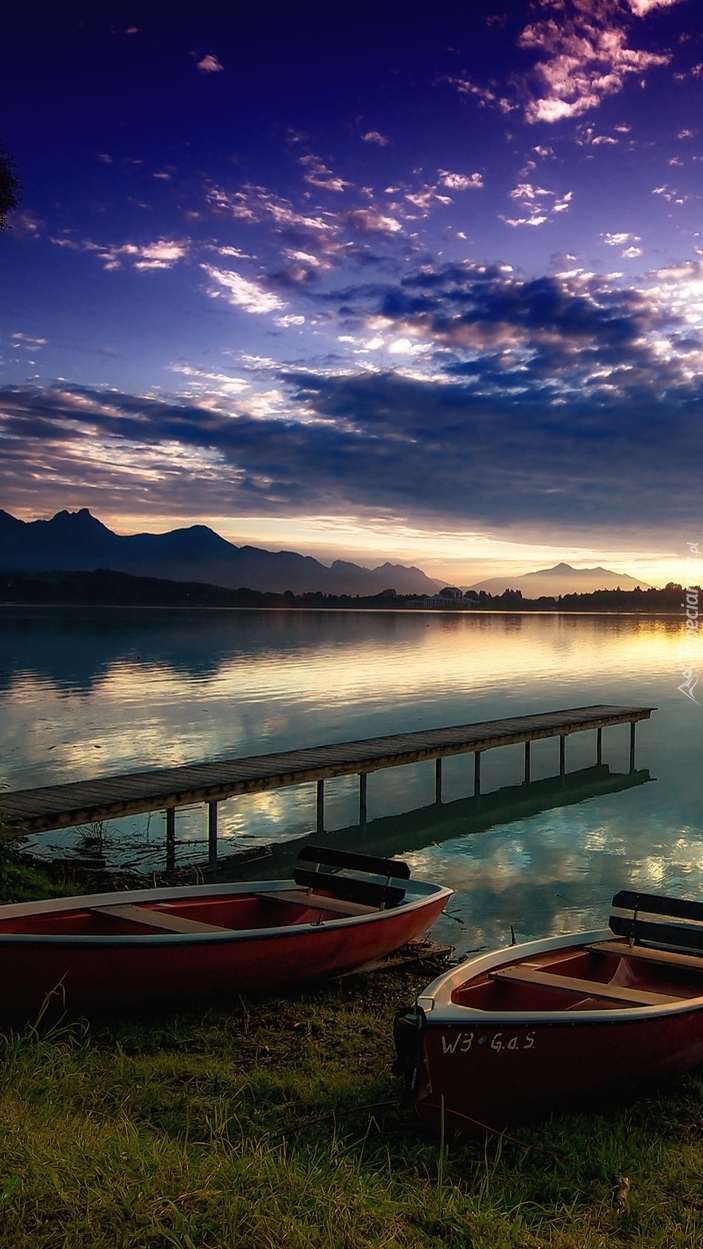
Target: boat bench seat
585,988
164,920
319,902
651,919
390,868
671,958
349,888
359,889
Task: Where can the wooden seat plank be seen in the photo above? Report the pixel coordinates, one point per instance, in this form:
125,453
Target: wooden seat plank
164,920
330,857
318,902
586,988
658,922
692,962
351,888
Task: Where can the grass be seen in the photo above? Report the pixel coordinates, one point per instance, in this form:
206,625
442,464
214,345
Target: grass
20,881
275,1123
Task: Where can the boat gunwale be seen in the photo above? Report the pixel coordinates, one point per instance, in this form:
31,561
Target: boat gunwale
425,892
439,1011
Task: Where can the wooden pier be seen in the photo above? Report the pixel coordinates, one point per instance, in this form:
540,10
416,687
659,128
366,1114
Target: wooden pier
87,802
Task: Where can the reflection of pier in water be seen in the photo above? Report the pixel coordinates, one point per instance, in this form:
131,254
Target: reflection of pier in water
439,822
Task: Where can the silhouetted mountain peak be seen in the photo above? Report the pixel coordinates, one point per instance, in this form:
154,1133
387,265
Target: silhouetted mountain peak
567,570
77,541
192,542
562,579
82,520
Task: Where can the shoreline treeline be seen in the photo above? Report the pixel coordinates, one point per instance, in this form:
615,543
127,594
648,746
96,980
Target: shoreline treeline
108,588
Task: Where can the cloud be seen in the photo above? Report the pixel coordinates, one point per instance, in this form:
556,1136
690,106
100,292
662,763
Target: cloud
562,337
583,55
427,198
26,224
372,221
486,96
319,175
235,204
459,393
236,252
27,342
630,252
641,7
290,319
618,240
670,194
537,205
241,292
163,254
212,383
373,136
460,181
312,240
447,452
210,65
255,203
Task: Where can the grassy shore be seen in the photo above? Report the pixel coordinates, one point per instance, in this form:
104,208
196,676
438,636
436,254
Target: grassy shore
275,1124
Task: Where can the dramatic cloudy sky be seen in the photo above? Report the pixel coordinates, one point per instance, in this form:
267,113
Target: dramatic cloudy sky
360,280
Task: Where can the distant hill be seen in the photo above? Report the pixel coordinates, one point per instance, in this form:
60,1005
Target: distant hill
562,579
78,542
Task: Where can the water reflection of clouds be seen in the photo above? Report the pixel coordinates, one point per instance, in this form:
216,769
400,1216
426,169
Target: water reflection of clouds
245,683
550,874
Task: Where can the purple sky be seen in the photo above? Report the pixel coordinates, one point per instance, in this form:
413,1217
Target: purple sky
355,283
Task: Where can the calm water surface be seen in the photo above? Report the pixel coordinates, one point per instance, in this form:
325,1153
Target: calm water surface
93,692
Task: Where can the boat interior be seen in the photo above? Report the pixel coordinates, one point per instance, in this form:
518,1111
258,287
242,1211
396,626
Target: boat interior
219,913
655,958
351,888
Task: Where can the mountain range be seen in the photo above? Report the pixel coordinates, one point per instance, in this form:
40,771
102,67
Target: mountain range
562,579
77,541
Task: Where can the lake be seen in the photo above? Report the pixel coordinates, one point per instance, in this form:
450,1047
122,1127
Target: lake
88,692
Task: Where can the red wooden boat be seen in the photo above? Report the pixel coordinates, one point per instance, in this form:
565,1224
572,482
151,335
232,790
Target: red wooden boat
147,947
514,1034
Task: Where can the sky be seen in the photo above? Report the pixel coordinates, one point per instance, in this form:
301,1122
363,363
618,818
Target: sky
365,281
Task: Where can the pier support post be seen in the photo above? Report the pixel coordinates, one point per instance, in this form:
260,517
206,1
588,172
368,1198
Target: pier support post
562,755
632,745
362,799
527,762
477,773
170,838
320,807
212,834
599,747
438,780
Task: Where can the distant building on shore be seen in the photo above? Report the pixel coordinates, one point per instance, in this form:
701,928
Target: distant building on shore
449,596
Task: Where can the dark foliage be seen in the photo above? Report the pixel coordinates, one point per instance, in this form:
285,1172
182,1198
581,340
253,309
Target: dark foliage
119,589
10,187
